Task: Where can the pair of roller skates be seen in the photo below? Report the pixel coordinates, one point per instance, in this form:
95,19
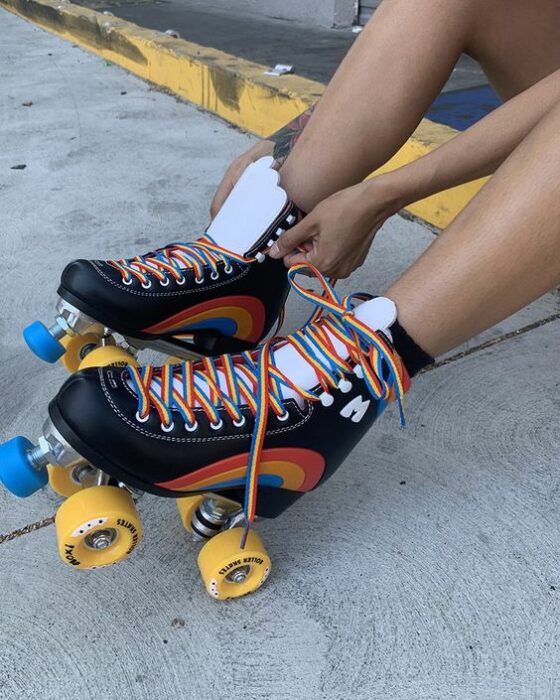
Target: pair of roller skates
240,431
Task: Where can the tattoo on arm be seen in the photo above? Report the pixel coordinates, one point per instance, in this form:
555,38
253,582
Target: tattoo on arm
285,139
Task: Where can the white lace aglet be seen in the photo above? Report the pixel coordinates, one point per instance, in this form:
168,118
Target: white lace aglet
345,386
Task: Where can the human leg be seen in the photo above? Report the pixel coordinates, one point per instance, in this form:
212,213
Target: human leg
501,253
393,73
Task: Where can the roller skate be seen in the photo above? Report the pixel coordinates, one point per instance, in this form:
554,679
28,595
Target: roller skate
218,294
232,438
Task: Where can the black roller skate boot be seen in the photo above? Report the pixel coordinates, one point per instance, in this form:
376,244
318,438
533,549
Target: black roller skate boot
231,438
217,294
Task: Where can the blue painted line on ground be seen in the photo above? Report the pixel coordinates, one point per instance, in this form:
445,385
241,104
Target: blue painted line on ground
463,108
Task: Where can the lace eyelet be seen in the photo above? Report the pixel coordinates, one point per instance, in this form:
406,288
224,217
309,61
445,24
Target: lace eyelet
240,423
218,425
169,428
283,417
161,284
345,386
128,282
140,419
181,281
147,286
200,280
214,275
228,269
191,428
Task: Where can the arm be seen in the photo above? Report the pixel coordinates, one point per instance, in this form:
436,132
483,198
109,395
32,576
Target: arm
278,145
480,150
285,139
337,234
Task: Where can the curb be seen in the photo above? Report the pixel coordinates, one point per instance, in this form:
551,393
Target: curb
233,88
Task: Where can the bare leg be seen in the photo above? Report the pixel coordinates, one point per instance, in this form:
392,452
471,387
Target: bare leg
395,70
501,253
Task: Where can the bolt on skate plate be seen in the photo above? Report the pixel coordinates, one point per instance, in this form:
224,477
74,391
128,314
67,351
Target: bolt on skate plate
98,523
50,344
76,340
227,571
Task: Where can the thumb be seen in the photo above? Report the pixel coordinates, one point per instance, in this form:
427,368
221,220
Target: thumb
291,239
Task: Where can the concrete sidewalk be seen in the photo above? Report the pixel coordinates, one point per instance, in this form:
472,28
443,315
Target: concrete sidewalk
239,90
426,568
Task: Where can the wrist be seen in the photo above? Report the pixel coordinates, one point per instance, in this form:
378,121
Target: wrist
387,191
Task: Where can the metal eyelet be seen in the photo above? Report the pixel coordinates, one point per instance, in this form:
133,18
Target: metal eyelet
181,282
228,269
214,275
169,428
218,425
147,286
161,284
199,281
283,417
191,428
240,423
140,419
129,282
345,386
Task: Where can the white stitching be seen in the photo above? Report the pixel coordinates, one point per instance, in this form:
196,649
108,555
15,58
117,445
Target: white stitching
181,292
186,440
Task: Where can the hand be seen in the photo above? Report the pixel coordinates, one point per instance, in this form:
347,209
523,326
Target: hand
336,236
235,170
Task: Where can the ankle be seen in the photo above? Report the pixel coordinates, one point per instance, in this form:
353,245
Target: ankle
412,355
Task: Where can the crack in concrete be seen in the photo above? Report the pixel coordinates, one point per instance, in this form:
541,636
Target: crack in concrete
409,216
494,341
26,530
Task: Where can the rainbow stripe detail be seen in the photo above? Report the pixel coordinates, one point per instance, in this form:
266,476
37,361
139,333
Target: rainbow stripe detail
238,316
254,380
290,468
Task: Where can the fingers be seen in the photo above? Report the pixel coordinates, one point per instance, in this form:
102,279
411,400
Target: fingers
294,258
291,239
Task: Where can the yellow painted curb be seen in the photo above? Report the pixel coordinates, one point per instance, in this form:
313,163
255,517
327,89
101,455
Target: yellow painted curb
233,88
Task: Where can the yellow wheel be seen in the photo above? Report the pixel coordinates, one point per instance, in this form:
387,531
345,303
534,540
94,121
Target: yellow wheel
108,355
97,527
229,571
77,347
61,480
187,507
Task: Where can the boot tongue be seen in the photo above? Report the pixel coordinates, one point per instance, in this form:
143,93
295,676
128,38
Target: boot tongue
379,314
251,208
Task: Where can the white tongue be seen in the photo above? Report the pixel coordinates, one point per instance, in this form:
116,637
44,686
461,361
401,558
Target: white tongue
379,314
255,202
251,208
